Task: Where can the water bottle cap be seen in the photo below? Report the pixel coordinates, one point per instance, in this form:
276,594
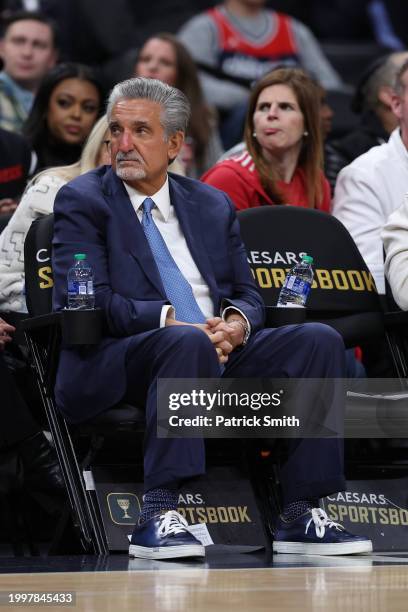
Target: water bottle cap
80,256
307,259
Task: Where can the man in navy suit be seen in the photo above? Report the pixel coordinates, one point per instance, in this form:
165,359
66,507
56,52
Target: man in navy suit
171,276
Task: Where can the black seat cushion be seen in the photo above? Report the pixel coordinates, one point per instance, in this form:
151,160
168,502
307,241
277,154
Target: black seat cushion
120,416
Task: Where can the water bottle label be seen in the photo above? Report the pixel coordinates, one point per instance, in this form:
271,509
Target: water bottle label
72,287
80,288
290,281
297,285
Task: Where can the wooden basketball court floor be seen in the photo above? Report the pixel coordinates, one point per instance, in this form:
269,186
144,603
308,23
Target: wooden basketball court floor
224,581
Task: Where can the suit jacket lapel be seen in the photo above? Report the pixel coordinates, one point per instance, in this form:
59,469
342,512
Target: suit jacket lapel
188,214
133,235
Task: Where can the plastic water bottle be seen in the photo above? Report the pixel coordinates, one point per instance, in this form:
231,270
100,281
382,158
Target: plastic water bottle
80,284
296,287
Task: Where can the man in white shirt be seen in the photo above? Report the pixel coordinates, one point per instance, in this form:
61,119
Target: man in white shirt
172,278
373,185
395,238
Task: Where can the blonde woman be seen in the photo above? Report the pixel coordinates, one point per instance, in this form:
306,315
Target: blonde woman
38,200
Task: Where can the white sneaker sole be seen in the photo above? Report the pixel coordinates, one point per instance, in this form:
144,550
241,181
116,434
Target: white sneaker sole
166,552
342,548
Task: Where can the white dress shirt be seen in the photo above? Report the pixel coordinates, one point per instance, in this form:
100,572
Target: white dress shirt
168,225
367,192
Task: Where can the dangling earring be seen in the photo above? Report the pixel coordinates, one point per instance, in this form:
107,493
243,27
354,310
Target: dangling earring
305,133
254,134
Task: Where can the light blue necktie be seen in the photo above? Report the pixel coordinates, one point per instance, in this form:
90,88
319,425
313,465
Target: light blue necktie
177,288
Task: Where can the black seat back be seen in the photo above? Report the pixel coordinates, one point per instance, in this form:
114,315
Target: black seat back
343,292
275,238
38,267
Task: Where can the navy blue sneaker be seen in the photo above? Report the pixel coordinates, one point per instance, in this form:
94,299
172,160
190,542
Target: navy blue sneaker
165,536
313,533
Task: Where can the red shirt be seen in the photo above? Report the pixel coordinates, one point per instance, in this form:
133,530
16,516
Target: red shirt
239,178
238,55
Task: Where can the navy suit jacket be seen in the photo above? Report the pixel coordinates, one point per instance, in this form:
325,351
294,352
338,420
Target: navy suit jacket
94,215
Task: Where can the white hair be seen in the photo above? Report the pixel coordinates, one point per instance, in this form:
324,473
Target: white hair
176,107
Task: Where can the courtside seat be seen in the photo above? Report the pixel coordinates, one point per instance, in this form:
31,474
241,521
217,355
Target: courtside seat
343,294
84,447
44,331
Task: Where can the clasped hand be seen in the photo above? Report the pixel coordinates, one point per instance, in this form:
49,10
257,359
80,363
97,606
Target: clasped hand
224,336
5,331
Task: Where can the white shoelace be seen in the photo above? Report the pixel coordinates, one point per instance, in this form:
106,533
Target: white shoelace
172,523
321,521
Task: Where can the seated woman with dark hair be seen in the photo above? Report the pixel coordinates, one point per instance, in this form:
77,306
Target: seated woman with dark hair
164,58
282,161
65,109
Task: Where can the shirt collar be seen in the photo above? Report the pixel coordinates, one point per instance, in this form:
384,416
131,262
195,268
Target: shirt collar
161,198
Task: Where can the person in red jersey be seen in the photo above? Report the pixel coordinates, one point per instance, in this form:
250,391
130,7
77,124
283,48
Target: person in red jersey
282,161
239,41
